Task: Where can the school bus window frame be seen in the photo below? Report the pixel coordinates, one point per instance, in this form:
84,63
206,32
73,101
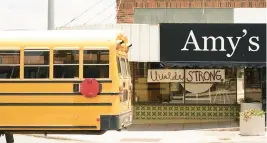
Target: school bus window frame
96,64
61,48
18,51
36,49
21,51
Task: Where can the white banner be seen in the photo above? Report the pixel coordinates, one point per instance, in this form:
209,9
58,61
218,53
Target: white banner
191,75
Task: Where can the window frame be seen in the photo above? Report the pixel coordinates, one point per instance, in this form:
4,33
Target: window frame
77,64
13,66
97,64
39,49
182,92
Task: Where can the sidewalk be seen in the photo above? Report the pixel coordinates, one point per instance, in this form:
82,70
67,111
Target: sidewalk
190,136
170,133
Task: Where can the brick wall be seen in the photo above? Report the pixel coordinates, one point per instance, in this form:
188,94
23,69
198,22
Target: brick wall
126,8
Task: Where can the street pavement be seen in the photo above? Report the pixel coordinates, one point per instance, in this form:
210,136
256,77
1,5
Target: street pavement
189,136
30,139
169,133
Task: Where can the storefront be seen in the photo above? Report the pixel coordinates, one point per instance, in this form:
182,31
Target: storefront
205,70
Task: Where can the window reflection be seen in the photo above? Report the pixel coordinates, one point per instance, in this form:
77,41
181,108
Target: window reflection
66,56
253,85
36,72
9,64
10,57
96,64
36,64
7,72
95,57
96,71
66,71
66,63
209,92
32,57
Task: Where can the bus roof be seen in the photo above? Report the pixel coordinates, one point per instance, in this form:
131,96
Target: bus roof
16,38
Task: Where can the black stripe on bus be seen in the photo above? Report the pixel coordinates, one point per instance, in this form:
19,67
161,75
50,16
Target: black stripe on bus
55,104
54,94
49,127
51,81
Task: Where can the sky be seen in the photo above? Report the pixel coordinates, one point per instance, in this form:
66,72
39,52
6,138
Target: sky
32,14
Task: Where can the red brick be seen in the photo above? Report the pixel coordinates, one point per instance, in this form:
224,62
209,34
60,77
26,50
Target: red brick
125,14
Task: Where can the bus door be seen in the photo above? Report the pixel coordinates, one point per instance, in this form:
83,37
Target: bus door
125,84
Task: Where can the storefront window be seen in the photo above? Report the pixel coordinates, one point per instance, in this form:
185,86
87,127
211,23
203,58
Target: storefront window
253,85
154,83
212,90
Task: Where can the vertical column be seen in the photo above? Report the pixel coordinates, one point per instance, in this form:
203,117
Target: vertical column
21,63
81,63
51,64
50,20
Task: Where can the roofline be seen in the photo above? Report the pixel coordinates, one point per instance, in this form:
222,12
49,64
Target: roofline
59,36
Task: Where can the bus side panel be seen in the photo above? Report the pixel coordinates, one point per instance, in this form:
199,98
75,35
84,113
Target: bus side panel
53,117
44,87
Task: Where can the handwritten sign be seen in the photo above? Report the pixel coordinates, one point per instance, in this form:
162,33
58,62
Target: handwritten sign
165,75
205,75
191,75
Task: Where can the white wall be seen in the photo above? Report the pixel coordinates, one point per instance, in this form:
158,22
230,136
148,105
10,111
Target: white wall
250,15
32,14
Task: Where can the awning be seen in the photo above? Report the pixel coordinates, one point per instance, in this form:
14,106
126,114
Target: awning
214,64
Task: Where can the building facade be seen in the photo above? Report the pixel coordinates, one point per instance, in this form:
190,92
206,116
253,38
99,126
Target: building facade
200,78
165,101
128,8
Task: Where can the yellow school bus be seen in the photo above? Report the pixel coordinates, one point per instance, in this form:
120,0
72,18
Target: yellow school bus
64,80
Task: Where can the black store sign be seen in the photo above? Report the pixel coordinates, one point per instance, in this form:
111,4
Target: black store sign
213,42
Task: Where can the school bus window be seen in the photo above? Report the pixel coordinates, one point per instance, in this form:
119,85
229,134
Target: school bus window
95,56
66,63
96,64
36,63
9,64
119,65
124,69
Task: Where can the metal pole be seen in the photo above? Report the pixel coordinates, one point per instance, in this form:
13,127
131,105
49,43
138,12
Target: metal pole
50,24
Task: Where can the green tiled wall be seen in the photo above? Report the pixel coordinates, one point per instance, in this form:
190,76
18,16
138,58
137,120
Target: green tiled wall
163,112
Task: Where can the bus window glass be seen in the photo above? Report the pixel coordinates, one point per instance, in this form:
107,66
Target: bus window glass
66,63
96,64
128,67
36,63
119,65
124,69
9,64
95,56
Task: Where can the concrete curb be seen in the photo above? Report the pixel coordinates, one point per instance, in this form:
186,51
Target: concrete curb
224,129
